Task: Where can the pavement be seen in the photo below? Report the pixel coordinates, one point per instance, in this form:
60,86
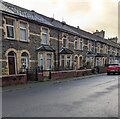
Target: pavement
31,84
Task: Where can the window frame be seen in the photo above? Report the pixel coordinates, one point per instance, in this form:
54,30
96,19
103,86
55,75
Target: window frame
89,46
26,29
12,26
76,46
26,59
98,48
81,41
66,44
44,33
43,66
50,59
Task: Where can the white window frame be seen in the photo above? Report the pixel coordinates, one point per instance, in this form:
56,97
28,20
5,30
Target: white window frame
22,28
89,46
98,48
26,59
40,64
66,45
50,59
47,34
13,26
69,59
81,41
77,40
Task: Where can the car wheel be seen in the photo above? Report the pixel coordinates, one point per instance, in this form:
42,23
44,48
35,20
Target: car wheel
108,73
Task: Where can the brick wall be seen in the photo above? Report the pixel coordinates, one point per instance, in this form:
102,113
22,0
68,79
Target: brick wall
102,69
40,77
14,79
70,74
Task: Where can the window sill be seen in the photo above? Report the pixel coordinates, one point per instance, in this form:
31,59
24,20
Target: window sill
77,49
24,41
10,38
81,49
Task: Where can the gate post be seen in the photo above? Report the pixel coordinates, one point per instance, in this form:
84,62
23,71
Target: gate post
36,74
27,74
50,74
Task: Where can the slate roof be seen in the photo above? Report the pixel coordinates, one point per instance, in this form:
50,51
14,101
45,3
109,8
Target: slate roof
15,10
101,55
32,15
45,48
66,51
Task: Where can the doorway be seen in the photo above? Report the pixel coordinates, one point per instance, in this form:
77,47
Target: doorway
12,62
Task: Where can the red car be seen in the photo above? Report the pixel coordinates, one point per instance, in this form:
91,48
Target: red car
113,69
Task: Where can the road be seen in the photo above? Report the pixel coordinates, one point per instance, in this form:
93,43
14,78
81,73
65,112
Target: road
90,97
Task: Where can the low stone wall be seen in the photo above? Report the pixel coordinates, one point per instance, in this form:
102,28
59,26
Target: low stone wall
70,74
102,69
54,75
40,77
14,79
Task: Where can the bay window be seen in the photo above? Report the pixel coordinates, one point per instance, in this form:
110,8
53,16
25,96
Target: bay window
41,61
49,61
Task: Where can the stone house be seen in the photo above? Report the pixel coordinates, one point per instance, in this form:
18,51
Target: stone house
31,40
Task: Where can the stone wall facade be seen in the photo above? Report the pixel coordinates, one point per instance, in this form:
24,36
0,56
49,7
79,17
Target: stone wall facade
50,45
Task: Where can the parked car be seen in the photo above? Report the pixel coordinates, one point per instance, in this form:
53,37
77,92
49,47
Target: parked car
113,69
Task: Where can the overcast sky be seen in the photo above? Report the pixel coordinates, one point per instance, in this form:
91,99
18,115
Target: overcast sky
89,15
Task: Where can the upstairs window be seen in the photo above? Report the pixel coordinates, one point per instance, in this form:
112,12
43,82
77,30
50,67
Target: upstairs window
89,45
23,32
44,36
76,43
65,43
98,48
81,44
10,28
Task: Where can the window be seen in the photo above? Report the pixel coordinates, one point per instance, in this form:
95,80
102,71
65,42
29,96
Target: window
65,43
41,61
81,44
23,32
89,45
10,28
98,48
97,62
24,61
69,62
62,61
76,43
44,36
49,61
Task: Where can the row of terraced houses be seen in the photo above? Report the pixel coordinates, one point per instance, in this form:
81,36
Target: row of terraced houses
31,40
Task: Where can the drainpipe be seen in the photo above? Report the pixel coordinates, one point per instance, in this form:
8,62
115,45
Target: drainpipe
58,51
94,53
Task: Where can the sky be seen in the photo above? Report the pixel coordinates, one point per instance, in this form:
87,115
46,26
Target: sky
89,15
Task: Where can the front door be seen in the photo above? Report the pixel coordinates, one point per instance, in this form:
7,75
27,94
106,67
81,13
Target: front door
11,61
